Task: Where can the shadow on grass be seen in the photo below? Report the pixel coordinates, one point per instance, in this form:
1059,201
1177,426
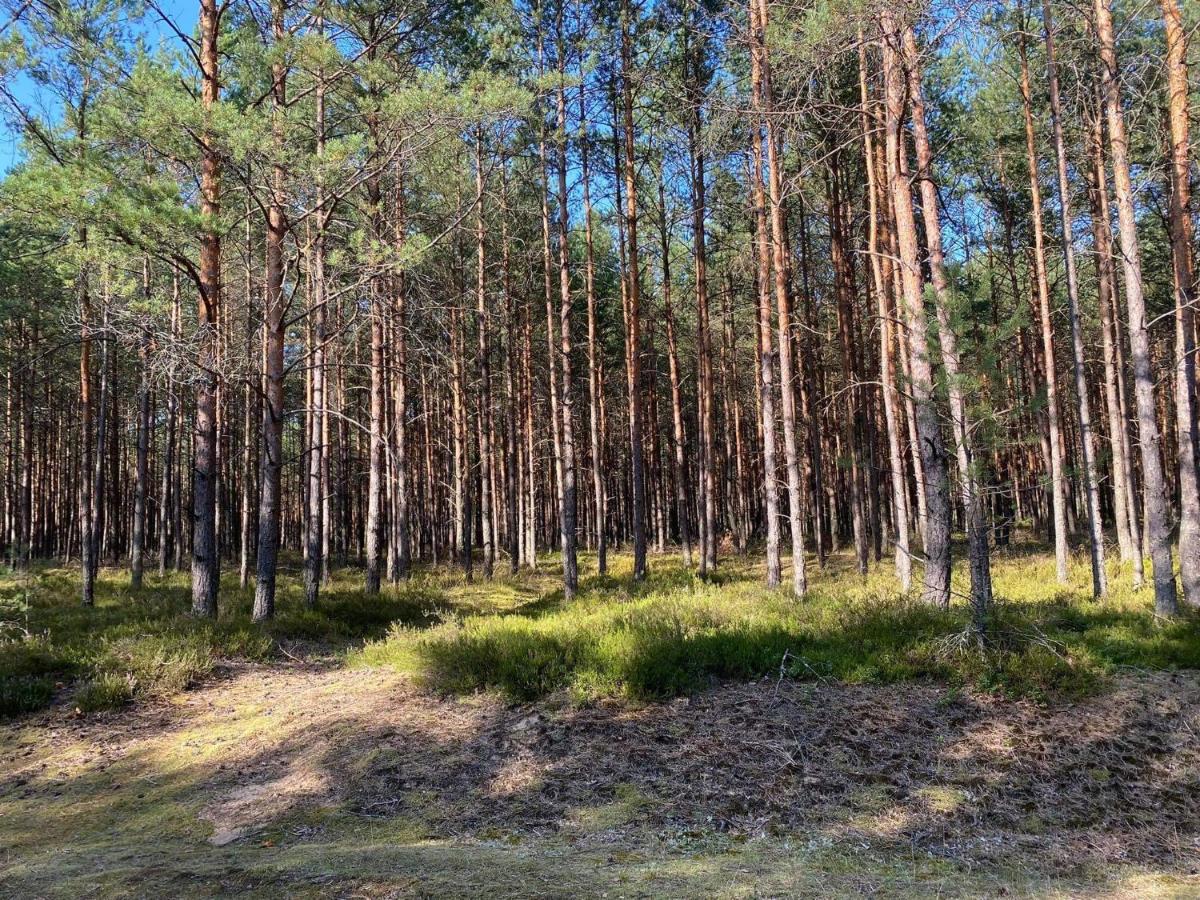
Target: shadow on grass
370,794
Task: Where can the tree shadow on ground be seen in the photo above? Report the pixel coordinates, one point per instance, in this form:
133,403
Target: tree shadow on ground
349,781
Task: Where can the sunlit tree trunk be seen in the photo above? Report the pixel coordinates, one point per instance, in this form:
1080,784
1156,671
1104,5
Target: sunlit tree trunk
1129,539
402,557
1149,440
633,305
783,300
270,488
568,507
932,450
314,556
483,325
978,530
704,348
1058,478
766,361
595,385
887,375
1087,441
1185,298
206,566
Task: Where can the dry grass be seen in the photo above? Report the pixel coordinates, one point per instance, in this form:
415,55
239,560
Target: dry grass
306,780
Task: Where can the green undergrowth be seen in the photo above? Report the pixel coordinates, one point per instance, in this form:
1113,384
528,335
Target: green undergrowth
670,634
677,633
145,643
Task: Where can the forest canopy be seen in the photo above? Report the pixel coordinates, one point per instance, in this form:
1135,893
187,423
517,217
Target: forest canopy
391,283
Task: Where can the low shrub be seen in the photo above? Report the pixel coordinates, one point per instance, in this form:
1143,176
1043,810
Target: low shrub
107,691
24,693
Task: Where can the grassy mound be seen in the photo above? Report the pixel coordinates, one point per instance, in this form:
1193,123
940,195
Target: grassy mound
677,633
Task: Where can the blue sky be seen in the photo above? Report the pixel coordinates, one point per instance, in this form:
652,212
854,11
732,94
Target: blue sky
183,15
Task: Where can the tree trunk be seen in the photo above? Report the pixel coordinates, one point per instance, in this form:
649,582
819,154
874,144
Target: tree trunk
138,536
766,362
402,556
704,350
568,509
973,501
1058,478
270,488
882,282
206,567
633,310
932,450
483,326
1185,298
1165,600
679,468
314,539
1087,441
595,385
783,301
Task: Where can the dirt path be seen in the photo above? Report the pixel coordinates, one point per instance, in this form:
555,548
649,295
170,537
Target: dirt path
313,780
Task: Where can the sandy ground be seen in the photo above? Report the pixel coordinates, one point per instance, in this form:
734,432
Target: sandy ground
307,779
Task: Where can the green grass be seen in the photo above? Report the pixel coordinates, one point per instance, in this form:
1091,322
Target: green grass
671,634
146,644
676,633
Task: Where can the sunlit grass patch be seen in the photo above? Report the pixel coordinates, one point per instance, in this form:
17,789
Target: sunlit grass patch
667,635
675,633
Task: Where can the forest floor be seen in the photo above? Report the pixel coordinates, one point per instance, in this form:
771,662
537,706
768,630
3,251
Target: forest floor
335,765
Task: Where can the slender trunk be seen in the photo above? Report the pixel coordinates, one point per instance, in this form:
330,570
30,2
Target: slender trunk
270,488
485,374
1128,541
402,555
512,473
461,434
1087,441
704,350
1165,599
1185,298
932,450
887,376
679,468
373,528
853,430
973,501
552,316
166,485
595,386
766,362
314,557
206,565
568,509
87,449
1058,478
138,536
250,416
633,305
783,300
